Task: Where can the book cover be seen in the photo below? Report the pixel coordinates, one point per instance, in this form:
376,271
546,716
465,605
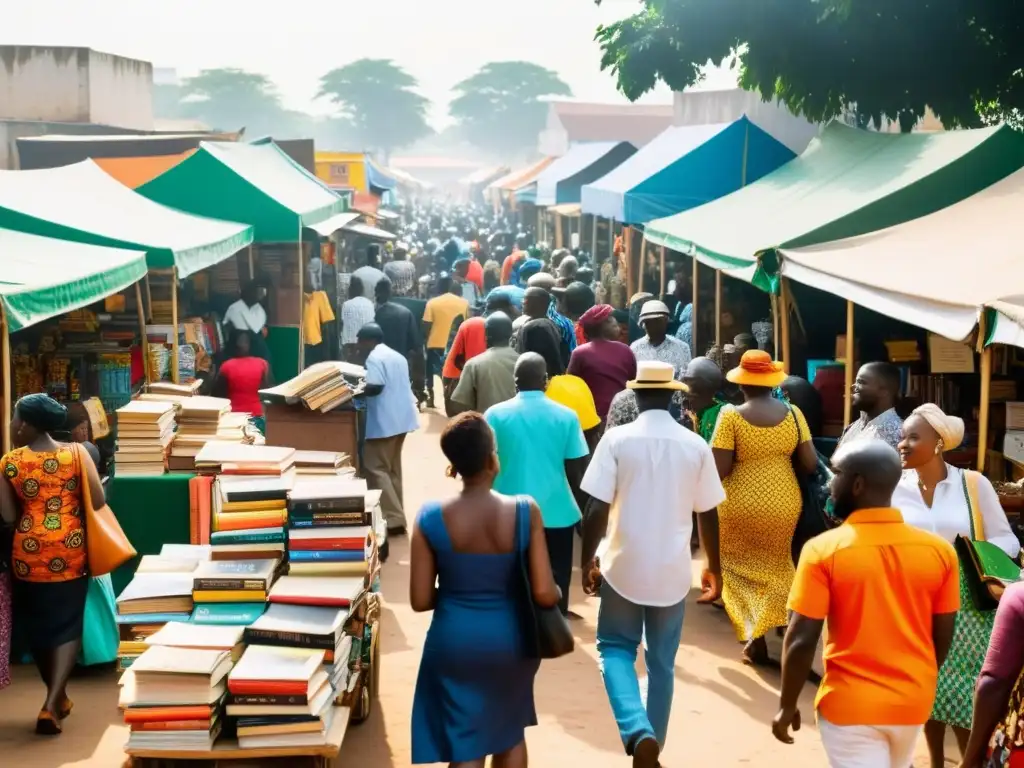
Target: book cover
327,556
229,596
248,536
227,575
232,614
327,519
309,506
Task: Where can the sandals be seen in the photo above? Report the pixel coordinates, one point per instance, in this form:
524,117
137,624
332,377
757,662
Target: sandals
65,708
47,724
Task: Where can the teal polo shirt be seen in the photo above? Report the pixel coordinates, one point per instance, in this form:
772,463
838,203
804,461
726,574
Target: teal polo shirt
535,437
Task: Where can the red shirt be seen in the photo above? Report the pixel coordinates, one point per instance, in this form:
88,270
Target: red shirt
475,274
470,341
244,377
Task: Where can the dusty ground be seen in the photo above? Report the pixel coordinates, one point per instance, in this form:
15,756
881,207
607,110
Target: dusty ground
720,718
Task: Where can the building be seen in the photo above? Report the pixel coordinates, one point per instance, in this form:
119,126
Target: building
728,105
570,122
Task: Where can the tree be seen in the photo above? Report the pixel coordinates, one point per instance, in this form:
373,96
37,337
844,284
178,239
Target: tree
379,99
877,59
500,107
229,99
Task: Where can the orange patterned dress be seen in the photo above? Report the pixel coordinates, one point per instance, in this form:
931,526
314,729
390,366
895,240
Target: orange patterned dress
49,537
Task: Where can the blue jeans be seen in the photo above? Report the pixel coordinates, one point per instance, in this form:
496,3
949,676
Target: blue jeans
621,625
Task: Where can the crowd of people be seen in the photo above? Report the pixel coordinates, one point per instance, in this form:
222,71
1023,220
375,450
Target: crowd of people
586,423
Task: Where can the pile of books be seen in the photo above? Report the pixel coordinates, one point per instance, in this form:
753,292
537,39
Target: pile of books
159,593
145,429
250,492
233,581
321,387
281,696
204,420
322,463
173,697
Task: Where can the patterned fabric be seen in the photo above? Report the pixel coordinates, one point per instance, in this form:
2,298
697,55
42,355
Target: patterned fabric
5,629
49,538
565,327
685,330
886,427
402,275
757,520
1007,742
954,694
671,351
706,420
624,408
355,313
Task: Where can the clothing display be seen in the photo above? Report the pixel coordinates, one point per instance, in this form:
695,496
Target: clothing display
316,311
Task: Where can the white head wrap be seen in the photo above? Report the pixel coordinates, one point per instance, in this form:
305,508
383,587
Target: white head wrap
949,428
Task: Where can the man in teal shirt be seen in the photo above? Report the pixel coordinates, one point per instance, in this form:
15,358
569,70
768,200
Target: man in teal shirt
542,452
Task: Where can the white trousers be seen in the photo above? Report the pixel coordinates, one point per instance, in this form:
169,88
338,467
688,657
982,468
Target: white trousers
868,746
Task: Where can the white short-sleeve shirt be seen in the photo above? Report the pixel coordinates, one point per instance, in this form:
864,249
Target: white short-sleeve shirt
246,318
654,473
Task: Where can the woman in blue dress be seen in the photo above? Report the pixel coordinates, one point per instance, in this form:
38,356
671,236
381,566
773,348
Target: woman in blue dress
474,693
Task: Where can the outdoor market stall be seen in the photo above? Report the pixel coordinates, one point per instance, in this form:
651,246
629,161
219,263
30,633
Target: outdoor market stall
500,191
356,174
260,185
848,182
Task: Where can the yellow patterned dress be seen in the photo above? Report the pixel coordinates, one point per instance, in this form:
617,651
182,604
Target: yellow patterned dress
757,520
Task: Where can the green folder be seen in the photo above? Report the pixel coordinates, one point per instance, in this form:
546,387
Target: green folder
988,570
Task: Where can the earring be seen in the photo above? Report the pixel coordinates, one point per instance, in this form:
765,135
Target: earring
939,447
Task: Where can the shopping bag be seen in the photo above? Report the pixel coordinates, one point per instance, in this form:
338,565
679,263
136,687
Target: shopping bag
100,636
107,546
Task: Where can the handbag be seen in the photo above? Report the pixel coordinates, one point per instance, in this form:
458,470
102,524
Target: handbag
546,632
105,543
987,570
100,634
1006,747
813,520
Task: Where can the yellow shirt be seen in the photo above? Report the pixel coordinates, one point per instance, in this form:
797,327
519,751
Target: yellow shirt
316,311
573,393
441,312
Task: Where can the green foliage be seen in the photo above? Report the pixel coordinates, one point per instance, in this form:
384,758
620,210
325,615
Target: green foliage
379,99
499,109
229,99
874,58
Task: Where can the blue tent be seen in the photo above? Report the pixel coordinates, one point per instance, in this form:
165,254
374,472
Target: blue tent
563,180
377,180
686,166
527,193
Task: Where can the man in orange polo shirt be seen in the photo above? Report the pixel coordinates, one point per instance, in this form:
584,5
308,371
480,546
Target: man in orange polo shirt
890,593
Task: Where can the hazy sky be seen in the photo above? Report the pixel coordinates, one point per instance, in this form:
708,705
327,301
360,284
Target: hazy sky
294,42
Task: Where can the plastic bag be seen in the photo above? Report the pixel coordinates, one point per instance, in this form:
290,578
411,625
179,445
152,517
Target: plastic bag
100,636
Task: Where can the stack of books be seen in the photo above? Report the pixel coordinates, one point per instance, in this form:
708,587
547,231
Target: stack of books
173,698
145,429
251,489
233,581
322,463
330,527
281,696
221,458
204,420
202,637
248,543
321,387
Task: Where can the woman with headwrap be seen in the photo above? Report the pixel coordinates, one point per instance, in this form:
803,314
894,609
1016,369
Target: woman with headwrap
951,502
604,362
41,491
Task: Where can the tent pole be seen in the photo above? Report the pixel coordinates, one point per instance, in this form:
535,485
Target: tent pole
784,301
848,368
302,298
175,372
661,289
149,300
5,360
641,258
252,264
775,326
143,339
540,224
718,308
611,243
986,393
558,230
694,300
627,247
593,238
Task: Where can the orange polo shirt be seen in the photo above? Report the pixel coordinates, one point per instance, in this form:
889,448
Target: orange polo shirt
878,582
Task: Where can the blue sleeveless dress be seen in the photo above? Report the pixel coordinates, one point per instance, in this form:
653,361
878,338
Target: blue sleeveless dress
474,693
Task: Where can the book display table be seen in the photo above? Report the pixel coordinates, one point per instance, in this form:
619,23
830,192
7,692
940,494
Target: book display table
298,427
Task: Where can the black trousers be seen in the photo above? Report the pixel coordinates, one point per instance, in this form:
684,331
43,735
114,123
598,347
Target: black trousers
560,546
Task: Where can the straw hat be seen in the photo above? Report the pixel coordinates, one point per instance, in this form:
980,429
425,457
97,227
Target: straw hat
653,308
654,374
757,369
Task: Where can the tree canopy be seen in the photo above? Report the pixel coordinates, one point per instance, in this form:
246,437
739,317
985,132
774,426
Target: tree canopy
229,99
500,108
379,99
878,59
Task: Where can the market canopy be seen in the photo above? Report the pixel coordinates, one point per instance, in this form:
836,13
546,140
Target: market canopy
686,166
133,172
379,179
847,182
255,183
517,178
42,277
484,176
338,221
81,202
563,180
367,230
937,272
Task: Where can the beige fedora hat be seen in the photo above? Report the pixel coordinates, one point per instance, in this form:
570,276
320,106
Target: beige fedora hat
654,374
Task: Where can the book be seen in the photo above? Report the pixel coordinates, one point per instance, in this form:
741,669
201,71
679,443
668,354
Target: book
204,637
162,564
197,551
352,536
237,521
293,671
236,455
318,591
310,704
247,536
157,593
322,568
170,714
253,506
300,556
229,596
242,488
293,740
340,494
299,626
233,614
326,519
164,676
225,575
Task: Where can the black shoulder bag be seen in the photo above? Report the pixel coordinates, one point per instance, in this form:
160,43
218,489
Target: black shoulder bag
546,632
814,492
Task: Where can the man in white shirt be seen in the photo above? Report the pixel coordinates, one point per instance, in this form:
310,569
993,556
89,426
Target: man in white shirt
247,314
370,274
646,480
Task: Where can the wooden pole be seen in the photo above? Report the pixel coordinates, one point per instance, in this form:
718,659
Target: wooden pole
593,238
540,224
627,244
986,393
175,372
641,261
696,307
252,264
149,300
661,289
5,360
718,308
558,230
302,299
611,243
848,367
144,340
784,301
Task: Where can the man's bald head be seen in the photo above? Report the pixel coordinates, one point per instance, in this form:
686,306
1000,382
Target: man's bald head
531,373
867,472
498,329
704,371
536,301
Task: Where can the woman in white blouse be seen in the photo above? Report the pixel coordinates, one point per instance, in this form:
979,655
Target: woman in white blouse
937,497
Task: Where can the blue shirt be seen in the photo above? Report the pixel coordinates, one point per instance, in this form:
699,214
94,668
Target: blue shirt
514,292
535,436
393,411
565,327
